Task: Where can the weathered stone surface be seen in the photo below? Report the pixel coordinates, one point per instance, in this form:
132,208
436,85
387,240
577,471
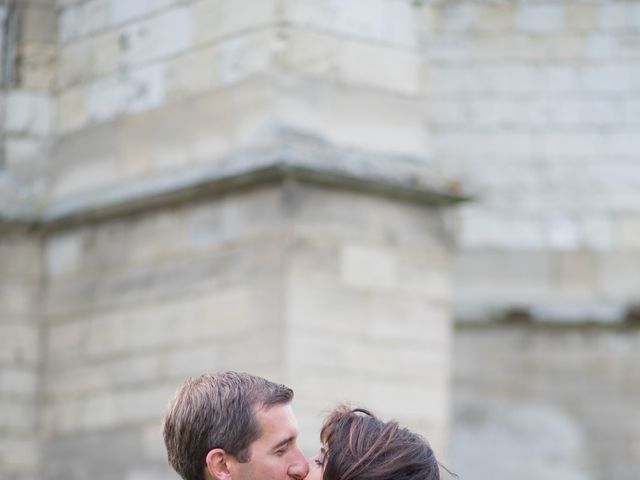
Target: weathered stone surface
157,264
542,395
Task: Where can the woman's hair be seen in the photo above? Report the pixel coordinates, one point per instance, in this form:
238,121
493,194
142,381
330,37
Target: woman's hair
359,446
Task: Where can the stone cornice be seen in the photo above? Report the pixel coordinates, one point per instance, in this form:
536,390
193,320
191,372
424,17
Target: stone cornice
311,162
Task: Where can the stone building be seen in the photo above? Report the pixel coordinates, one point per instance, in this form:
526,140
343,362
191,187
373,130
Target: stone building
428,207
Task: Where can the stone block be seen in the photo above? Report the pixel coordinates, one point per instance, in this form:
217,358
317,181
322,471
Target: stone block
71,111
494,230
152,442
18,382
627,232
123,11
586,145
100,411
81,19
38,23
615,16
421,400
197,129
216,19
598,232
540,19
498,17
426,272
26,158
68,23
242,56
69,377
554,78
20,343
611,78
66,342
457,18
324,355
323,309
393,23
399,224
61,415
82,178
351,62
368,267
131,92
581,17
429,16
147,39
510,276
321,216
407,320
575,274
17,297
561,233
19,256
609,47
496,144
135,406
358,118
624,144
38,66
63,253
493,112
19,453
85,158
449,48
619,275
224,315
29,113
17,416
83,60
191,360
191,73
506,79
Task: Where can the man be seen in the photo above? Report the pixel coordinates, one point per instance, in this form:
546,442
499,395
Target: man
233,426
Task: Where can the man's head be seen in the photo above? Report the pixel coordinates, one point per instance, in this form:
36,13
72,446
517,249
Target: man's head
233,426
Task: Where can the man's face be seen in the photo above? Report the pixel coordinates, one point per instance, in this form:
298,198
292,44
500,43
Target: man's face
275,454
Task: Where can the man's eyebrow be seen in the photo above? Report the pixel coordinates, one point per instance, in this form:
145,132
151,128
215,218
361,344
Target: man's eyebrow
284,442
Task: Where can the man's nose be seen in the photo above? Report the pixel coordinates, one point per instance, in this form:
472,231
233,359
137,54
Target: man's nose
299,468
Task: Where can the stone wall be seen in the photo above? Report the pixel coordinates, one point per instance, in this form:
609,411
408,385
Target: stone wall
134,102
20,354
546,402
281,281
535,106
28,102
146,186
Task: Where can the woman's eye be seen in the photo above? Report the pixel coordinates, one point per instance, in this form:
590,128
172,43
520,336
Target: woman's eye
318,462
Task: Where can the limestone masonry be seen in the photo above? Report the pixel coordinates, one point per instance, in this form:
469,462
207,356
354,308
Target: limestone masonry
428,207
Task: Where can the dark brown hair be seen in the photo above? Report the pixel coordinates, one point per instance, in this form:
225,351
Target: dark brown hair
216,411
359,446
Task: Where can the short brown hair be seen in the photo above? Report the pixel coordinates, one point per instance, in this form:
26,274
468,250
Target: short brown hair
360,446
216,411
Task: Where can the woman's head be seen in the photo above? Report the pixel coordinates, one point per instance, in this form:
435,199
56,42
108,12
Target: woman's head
359,446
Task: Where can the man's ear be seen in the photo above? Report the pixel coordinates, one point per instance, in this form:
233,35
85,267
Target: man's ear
217,465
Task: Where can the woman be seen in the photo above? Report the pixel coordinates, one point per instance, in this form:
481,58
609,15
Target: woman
359,446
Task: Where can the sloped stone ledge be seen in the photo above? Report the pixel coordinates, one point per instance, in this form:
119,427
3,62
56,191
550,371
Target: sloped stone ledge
595,314
302,160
